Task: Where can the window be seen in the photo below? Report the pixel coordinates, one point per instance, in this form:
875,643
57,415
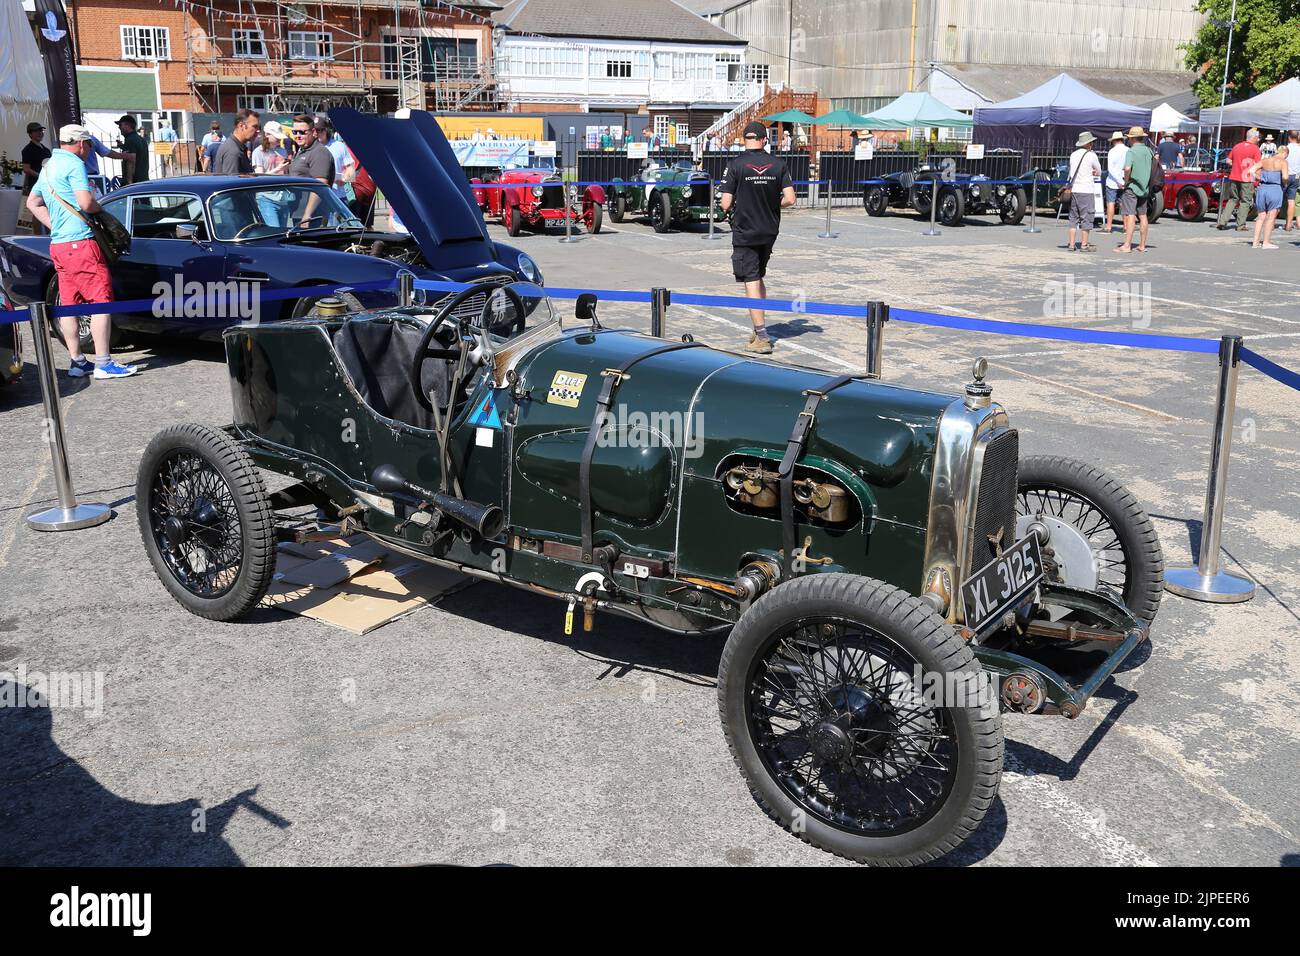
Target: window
259,102
620,68
146,43
727,65
757,72
157,216
310,45
249,44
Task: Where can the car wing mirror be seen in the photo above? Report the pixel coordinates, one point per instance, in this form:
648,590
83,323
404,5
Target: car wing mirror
585,309
188,230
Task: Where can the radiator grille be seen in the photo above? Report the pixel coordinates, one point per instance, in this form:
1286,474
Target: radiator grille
995,506
552,196
699,194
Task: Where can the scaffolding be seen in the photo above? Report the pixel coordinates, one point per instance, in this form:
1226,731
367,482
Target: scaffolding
375,55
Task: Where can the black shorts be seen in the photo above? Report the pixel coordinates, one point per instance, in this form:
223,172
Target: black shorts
749,263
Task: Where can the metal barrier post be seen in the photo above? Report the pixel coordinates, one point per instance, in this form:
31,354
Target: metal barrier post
659,301
827,234
1205,581
713,212
68,516
934,204
877,316
570,194
405,289
1033,203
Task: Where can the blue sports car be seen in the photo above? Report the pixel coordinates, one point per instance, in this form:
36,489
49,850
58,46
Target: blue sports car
272,233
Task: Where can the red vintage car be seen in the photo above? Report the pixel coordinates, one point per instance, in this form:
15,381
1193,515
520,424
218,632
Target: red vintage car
1192,192
539,201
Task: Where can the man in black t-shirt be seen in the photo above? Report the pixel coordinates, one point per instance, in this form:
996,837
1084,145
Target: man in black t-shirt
35,153
755,187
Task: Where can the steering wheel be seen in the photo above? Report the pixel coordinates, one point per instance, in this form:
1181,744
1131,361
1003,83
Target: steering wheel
244,229
424,350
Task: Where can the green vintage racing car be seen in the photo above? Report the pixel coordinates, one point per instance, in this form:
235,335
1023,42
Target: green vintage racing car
671,196
889,573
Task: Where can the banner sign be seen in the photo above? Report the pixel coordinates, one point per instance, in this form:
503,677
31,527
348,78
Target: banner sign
638,150
491,152
974,150
544,147
863,151
60,71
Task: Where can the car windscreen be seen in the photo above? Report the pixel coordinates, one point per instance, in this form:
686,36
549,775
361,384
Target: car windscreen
256,212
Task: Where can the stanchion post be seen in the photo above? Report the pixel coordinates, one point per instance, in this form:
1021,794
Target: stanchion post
877,316
570,195
659,301
827,234
68,516
405,289
1206,581
713,212
934,204
1033,203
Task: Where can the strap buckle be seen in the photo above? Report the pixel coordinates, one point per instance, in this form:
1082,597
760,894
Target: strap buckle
617,374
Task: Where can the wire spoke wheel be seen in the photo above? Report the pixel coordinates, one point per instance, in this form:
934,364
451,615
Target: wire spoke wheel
1092,524
193,517
843,729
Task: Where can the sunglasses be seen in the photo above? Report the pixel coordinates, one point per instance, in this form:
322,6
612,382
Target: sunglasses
299,132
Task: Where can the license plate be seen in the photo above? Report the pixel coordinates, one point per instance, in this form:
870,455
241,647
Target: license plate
998,586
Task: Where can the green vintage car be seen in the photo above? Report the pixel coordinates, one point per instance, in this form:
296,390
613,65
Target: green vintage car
669,195
888,573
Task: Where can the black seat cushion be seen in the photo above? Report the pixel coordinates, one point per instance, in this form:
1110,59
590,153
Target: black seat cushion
377,354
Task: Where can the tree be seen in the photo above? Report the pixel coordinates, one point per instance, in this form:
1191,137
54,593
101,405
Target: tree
1265,47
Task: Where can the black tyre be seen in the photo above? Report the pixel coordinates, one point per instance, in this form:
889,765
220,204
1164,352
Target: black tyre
1012,207
597,218
1192,203
619,208
952,207
828,724
511,219
918,197
308,306
875,200
1156,206
206,521
661,211
1113,545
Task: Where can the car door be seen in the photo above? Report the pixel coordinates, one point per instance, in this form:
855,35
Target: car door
166,263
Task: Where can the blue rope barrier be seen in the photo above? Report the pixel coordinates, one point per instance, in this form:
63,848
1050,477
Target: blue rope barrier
1271,369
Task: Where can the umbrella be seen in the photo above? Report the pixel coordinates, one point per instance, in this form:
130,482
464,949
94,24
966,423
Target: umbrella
789,116
918,111
846,119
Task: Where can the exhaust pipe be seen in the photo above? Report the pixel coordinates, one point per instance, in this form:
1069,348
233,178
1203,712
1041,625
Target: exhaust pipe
486,520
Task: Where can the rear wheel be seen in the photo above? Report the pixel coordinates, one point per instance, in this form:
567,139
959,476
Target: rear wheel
661,212
206,521
823,693
1192,203
1098,533
595,216
875,200
1156,206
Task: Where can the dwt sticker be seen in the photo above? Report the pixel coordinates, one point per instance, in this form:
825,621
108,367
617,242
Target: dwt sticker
566,388
485,415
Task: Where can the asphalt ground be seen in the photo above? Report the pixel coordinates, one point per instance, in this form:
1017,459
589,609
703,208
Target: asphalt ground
475,732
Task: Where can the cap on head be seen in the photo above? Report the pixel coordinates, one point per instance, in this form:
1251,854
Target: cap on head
755,130
33,127
73,133
273,128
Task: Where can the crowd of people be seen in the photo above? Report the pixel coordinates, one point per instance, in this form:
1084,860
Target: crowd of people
1263,180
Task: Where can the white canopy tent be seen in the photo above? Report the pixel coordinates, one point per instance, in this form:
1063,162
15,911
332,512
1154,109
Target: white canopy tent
1276,108
23,96
1166,119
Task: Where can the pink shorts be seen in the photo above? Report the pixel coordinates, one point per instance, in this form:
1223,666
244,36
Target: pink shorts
82,271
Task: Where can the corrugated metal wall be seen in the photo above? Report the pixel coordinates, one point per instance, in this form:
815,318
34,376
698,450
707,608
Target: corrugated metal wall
854,48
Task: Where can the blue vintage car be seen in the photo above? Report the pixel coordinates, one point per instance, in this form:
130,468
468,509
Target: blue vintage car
283,233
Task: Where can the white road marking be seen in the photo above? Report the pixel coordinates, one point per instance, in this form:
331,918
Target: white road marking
781,343
1134,406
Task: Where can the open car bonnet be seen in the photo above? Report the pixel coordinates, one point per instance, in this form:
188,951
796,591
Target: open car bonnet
415,168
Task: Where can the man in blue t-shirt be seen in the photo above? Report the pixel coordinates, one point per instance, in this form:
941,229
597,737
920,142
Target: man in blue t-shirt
62,201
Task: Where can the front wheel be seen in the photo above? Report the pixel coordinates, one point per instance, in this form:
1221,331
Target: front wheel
619,209
661,212
860,721
206,521
511,219
1192,203
595,216
875,200
1098,534
1012,208
952,208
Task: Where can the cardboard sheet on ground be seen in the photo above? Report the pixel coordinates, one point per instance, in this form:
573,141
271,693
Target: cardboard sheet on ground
377,585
